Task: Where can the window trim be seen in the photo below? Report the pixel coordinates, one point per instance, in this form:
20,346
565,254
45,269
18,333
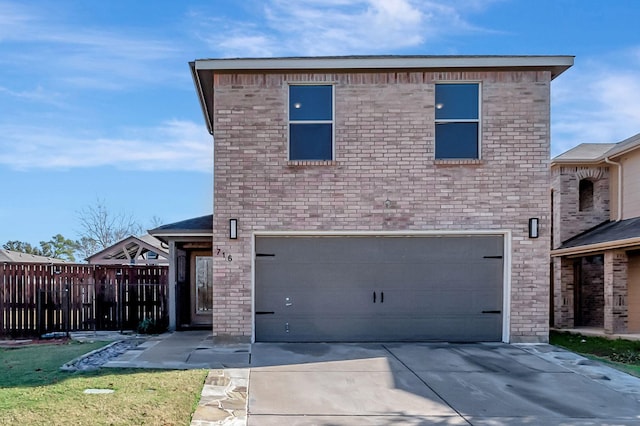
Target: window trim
332,121
461,120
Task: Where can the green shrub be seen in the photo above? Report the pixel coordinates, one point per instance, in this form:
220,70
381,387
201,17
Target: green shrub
152,326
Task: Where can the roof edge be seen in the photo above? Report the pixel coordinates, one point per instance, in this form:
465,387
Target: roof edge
556,63
591,248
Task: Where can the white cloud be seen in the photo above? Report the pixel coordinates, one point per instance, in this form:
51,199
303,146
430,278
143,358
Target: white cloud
174,145
33,39
39,94
596,101
337,27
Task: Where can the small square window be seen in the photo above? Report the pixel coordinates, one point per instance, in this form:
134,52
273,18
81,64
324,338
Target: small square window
311,122
457,121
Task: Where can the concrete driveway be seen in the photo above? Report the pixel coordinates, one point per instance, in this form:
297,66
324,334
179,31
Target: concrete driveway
425,384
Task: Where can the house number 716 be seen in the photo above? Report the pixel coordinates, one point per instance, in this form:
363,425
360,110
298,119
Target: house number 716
225,255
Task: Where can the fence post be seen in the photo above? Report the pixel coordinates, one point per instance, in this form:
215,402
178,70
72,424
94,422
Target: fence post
66,310
40,311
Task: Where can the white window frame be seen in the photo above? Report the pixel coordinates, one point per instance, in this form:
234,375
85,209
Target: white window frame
453,120
332,121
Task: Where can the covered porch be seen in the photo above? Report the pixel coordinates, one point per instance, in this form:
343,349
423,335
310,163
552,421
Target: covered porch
190,272
596,280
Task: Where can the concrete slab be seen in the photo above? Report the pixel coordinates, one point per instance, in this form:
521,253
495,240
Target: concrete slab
603,374
322,357
324,393
432,383
481,357
181,351
357,421
539,395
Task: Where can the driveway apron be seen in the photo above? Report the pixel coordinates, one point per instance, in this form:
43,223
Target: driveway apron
433,383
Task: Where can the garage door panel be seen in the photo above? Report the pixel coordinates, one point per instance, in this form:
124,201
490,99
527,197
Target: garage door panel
379,288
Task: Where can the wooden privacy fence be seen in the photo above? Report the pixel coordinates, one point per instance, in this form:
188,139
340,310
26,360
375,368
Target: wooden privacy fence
36,299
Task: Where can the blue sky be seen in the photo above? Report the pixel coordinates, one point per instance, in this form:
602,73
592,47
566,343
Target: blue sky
97,102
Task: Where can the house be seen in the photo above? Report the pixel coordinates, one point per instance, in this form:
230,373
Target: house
143,250
190,271
10,256
380,198
596,237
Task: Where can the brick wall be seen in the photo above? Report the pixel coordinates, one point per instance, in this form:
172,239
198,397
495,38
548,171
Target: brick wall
563,291
615,291
568,220
384,145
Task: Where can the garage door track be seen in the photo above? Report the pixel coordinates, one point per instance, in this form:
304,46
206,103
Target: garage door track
432,383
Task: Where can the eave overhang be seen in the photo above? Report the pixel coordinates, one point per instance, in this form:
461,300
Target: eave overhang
202,70
596,248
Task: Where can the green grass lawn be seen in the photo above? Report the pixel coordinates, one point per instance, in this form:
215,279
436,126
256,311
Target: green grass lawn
619,353
34,391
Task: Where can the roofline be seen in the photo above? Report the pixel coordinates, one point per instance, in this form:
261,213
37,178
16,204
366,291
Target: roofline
618,149
183,233
110,248
203,106
597,247
556,63
574,161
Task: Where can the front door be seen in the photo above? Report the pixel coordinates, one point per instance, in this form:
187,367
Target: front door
201,288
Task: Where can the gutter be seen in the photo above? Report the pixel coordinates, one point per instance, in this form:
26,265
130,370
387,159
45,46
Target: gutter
619,166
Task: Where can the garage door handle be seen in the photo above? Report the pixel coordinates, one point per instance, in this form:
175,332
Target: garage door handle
265,313
491,312
382,297
374,297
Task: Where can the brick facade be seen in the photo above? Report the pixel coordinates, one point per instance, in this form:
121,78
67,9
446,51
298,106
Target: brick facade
563,291
615,291
384,151
568,219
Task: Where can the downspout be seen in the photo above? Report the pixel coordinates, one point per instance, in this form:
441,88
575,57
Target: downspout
619,166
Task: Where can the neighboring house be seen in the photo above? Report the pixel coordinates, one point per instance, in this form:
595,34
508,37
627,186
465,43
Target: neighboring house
9,256
380,198
144,250
596,237
190,271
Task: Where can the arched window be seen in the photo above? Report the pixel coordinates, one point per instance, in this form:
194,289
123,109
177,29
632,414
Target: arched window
585,202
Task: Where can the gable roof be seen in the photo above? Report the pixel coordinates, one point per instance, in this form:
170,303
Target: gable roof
203,70
612,234
198,226
131,250
597,152
18,257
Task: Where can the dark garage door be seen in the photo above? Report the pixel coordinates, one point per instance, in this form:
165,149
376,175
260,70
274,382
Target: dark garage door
332,289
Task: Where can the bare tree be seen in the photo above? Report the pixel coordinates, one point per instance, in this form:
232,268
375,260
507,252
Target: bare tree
156,221
100,227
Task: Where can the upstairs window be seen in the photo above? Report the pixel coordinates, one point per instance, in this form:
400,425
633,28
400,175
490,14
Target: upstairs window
311,122
457,121
585,195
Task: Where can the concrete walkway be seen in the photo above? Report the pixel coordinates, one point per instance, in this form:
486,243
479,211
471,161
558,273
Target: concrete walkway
382,384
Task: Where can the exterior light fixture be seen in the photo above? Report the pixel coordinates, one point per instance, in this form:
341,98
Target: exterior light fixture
534,223
233,229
